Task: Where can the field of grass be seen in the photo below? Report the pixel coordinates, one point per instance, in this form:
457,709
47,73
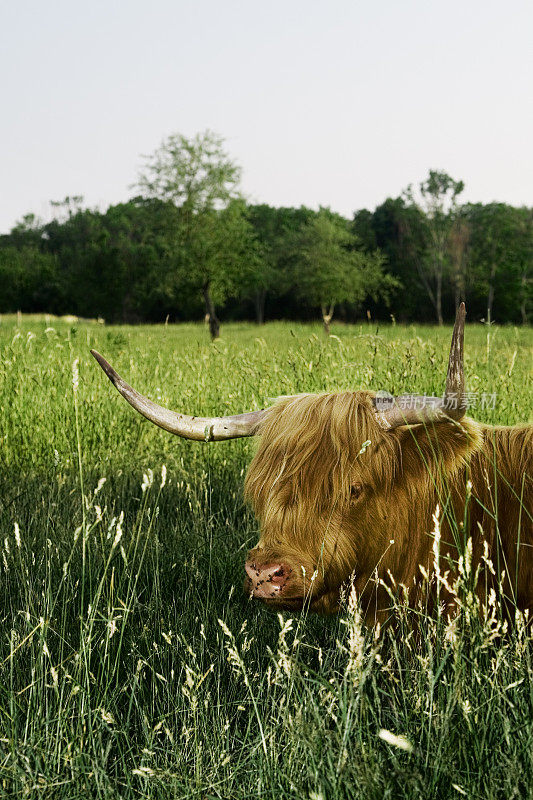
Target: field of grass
131,663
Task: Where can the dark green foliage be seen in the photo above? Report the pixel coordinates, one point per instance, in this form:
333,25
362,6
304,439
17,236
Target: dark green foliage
483,253
397,229
501,259
329,268
29,279
274,229
192,245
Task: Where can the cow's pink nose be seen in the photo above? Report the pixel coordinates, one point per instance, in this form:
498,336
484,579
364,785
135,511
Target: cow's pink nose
267,580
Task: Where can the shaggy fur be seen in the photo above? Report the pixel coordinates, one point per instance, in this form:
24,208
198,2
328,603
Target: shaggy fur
342,501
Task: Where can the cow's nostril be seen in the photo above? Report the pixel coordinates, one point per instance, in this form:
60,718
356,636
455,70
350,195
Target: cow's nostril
266,580
278,575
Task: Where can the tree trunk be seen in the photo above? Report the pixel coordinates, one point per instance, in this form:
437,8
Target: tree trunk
214,324
327,316
490,296
259,302
490,301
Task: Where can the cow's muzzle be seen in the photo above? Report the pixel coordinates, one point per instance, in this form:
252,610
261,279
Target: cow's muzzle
266,581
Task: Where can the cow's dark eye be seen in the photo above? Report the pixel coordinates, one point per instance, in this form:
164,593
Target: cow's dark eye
356,491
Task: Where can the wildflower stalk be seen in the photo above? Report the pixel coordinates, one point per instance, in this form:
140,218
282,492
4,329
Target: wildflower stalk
75,385
235,659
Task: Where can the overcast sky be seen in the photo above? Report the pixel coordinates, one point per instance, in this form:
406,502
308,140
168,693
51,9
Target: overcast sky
339,103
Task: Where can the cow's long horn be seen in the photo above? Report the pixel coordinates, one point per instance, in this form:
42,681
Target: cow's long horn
201,429
455,377
412,409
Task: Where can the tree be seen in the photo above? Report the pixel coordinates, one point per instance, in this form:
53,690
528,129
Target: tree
85,276
218,255
398,229
525,261
198,176
438,202
329,270
501,256
28,279
27,231
140,259
275,229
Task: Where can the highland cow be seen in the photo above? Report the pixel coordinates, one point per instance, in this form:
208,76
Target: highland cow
345,487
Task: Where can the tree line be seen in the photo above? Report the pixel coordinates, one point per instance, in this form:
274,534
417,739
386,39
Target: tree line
188,244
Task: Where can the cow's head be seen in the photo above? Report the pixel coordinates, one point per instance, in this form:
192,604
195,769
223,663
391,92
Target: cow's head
337,495
333,478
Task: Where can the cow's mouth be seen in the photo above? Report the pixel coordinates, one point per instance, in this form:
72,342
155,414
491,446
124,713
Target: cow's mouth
281,600
274,595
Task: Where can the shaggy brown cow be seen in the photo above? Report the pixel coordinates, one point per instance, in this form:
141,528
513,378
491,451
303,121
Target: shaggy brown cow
345,487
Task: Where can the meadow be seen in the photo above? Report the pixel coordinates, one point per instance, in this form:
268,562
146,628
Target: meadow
131,663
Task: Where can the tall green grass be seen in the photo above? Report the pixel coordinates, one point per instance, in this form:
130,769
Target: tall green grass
131,664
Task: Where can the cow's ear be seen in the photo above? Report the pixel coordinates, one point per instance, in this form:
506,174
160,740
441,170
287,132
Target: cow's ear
443,446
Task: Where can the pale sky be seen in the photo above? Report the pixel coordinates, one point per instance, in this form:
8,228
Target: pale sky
339,103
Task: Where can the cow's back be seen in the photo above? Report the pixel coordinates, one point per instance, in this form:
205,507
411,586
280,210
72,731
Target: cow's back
501,506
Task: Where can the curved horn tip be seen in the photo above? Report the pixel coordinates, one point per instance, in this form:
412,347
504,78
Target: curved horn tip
106,366
101,360
97,355
455,379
